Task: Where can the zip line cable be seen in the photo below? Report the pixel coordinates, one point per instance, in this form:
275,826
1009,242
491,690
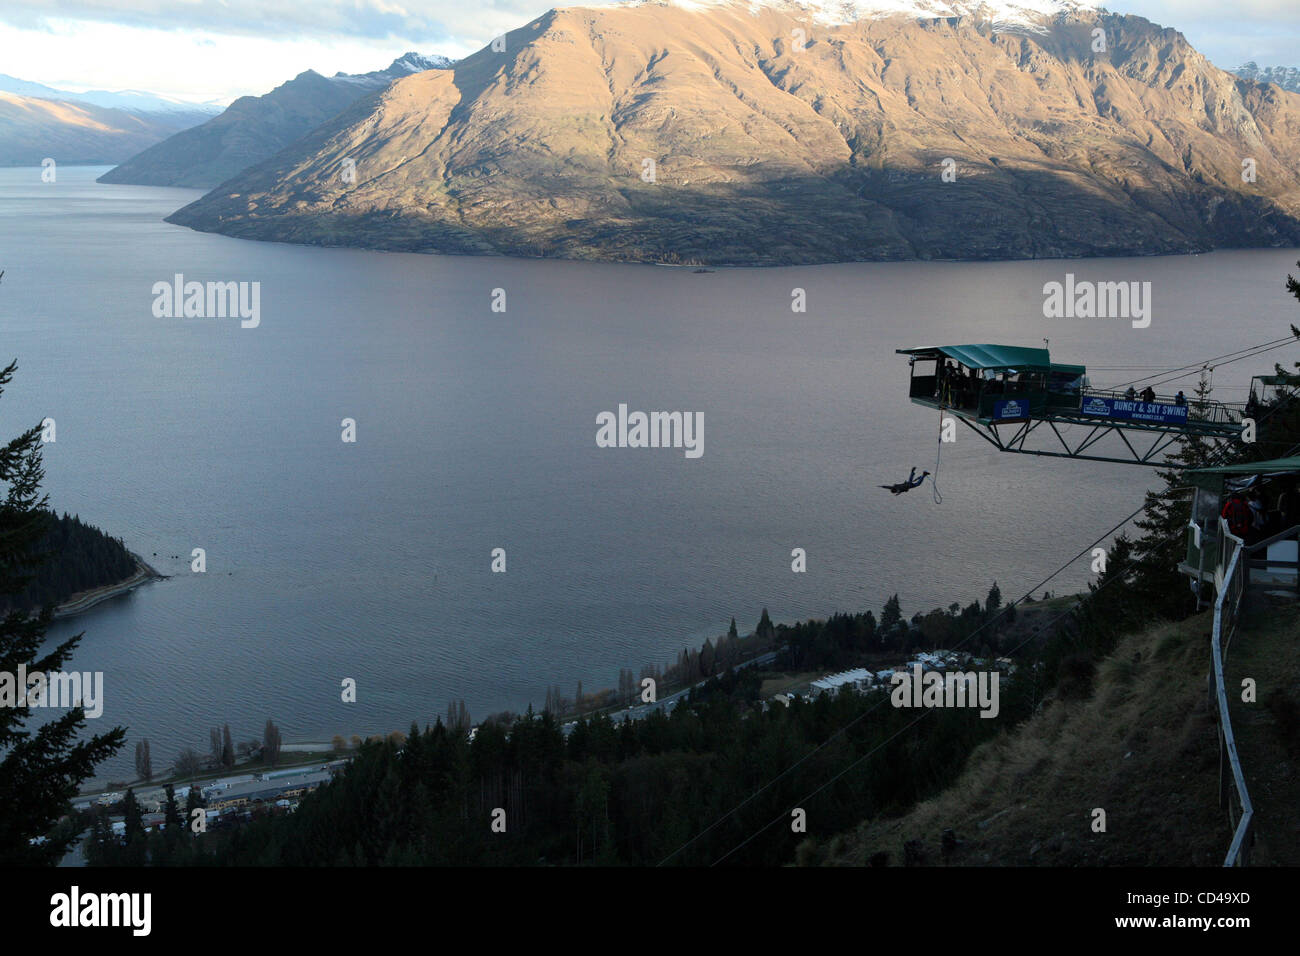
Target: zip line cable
1253,354
1197,366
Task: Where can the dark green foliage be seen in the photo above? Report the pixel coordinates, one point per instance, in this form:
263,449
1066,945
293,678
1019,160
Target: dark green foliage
628,794
831,644
78,556
42,769
993,603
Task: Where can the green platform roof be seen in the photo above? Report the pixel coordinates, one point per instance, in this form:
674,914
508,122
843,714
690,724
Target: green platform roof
1273,466
996,357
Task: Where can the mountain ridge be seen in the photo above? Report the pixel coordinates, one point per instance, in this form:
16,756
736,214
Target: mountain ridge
768,151
1287,77
79,133
138,101
254,128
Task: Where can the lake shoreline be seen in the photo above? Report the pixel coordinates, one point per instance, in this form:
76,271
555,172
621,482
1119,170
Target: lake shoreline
84,600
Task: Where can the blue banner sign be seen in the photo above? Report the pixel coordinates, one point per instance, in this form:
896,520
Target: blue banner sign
1011,408
1134,411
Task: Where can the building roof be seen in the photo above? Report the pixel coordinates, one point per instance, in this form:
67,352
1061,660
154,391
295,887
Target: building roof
1006,358
265,789
1273,466
844,677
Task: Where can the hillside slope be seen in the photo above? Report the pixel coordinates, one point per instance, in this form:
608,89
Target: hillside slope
78,133
1143,748
766,150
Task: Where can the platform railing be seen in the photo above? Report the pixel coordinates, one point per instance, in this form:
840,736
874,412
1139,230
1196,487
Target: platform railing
1209,411
1230,577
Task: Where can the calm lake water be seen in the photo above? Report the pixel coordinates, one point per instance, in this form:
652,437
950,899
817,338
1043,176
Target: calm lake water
476,430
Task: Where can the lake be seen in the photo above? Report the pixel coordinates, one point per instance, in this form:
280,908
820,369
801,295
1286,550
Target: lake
476,429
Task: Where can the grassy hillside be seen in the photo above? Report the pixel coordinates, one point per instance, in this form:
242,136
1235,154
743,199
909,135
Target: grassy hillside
1142,748
1268,730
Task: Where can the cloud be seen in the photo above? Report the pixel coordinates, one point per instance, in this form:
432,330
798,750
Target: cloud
1231,15
1267,31
373,19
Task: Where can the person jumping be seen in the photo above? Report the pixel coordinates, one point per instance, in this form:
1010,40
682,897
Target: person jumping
903,486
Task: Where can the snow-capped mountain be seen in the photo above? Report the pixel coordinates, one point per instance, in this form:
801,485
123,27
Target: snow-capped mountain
1287,77
404,65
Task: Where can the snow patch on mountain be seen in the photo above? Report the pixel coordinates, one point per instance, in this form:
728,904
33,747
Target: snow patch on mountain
1031,15
404,65
134,101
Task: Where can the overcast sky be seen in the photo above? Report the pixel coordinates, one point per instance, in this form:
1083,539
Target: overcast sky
206,50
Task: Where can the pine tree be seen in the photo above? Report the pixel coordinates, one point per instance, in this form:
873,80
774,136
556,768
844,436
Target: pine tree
993,603
172,818
135,836
891,616
1165,516
41,770
227,748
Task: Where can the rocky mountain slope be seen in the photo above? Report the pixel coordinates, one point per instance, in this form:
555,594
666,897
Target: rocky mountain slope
762,133
254,128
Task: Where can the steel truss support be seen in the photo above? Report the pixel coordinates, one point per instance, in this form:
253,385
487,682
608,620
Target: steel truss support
1163,439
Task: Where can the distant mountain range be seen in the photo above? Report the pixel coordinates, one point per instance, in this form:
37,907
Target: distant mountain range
80,133
1287,77
772,132
132,100
254,128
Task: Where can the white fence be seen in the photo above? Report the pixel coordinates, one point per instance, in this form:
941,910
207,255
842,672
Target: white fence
1230,577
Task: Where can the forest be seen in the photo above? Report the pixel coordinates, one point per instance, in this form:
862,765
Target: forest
70,557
